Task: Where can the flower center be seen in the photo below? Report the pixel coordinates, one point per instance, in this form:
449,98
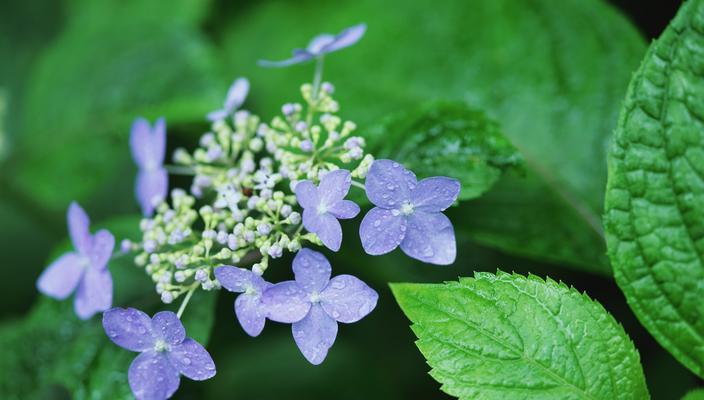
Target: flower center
249,289
161,346
315,297
322,209
407,208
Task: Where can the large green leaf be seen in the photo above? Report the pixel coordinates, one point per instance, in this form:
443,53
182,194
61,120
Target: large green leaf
551,73
655,195
509,336
113,61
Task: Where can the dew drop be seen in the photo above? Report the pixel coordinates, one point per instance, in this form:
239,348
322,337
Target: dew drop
377,223
187,361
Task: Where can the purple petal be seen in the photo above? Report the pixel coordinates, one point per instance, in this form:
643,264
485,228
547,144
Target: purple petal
344,209
158,142
318,43
237,279
325,226
78,228
334,186
61,277
94,293
299,56
236,95
217,115
129,328
192,360
251,313
430,238
307,194
381,231
312,270
348,299
346,38
101,251
286,302
152,377
435,194
141,142
315,334
167,326
151,185
389,184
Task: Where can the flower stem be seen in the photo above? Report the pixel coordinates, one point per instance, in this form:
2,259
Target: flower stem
185,301
359,185
179,170
317,77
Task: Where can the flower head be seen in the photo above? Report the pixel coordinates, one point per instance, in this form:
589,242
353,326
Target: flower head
320,46
83,270
148,145
248,306
236,95
314,303
166,352
409,213
325,204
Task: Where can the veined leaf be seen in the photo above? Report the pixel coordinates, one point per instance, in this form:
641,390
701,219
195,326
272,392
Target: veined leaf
509,336
655,194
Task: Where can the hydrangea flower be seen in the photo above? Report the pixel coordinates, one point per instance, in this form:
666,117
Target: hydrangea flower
325,204
148,145
248,306
409,213
236,95
314,303
166,352
321,45
83,270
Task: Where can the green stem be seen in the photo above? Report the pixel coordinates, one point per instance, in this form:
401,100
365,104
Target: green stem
359,185
179,170
185,301
317,77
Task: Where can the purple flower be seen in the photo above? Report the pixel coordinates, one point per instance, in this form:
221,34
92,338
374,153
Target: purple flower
248,306
320,46
409,213
166,352
314,303
235,97
83,270
325,204
148,145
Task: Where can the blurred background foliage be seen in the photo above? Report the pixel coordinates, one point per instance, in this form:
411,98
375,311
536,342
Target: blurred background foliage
549,75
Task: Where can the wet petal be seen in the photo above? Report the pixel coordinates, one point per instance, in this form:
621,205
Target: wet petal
168,327
346,38
312,270
348,299
251,313
192,360
61,277
286,302
315,334
152,377
94,293
129,328
307,194
101,250
151,185
389,184
334,186
430,238
299,56
381,231
325,226
237,279
78,228
236,95
435,194
344,209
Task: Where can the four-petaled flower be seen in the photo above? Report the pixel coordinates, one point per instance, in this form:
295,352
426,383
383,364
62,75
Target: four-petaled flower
148,145
248,306
166,352
321,45
314,303
409,213
236,95
325,204
83,270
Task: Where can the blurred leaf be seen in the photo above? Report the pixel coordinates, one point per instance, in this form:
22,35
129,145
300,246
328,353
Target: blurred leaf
113,62
199,316
509,336
655,195
551,73
449,139
696,394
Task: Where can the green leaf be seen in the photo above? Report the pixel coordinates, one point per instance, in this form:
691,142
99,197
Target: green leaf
449,139
555,92
655,195
111,64
509,336
696,394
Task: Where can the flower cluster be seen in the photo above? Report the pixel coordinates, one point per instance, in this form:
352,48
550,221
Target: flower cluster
259,190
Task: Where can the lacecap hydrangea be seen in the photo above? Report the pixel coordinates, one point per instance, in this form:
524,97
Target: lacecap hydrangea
259,189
